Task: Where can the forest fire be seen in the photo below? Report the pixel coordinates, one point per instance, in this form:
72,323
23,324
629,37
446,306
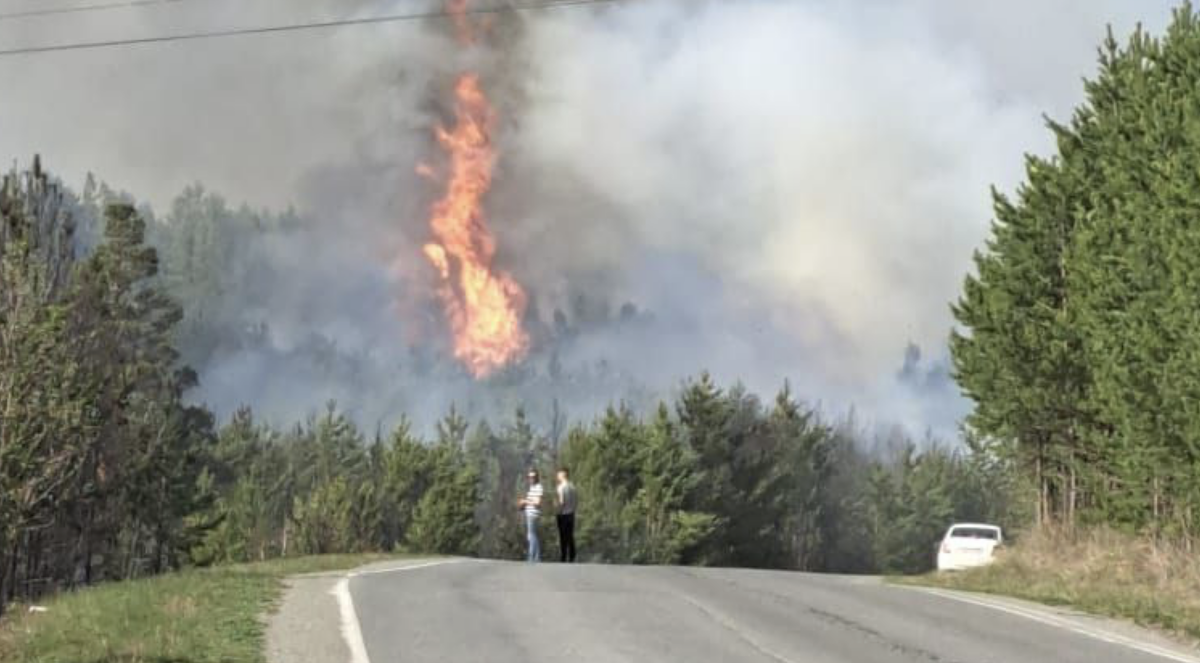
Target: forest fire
483,306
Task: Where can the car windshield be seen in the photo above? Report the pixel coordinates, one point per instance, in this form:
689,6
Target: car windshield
975,533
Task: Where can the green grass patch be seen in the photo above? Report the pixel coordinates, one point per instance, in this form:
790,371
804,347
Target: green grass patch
197,616
1102,573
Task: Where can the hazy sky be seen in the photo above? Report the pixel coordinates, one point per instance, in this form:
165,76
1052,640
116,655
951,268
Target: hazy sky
227,112
794,186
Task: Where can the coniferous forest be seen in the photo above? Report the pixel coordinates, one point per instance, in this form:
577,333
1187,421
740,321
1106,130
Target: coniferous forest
1078,343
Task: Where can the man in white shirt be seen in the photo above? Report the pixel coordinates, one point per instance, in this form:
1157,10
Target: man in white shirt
532,506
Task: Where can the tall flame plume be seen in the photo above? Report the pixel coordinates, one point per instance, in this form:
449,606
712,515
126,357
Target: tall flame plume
483,305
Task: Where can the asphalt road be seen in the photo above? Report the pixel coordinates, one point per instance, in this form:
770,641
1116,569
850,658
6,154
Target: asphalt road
498,612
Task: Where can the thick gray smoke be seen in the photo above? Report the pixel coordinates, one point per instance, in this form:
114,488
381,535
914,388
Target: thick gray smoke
779,189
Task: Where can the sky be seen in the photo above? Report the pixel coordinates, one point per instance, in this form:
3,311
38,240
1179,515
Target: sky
793,188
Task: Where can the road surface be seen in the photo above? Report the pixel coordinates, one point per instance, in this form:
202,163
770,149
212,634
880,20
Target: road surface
497,612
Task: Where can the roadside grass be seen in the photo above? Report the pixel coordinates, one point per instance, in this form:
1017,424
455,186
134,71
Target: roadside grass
210,615
1100,572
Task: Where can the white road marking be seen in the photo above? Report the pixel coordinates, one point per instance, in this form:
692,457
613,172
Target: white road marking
397,569
351,631
1065,624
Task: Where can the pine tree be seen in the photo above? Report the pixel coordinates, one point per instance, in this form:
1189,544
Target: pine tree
406,479
670,479
444,519
1138,266
802,472
706,420
1019,355
155,449
45,415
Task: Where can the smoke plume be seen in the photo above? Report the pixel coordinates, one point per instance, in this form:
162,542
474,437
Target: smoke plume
769,190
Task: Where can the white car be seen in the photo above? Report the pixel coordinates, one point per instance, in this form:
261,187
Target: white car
968,545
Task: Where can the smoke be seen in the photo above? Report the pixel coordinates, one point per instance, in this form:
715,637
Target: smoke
767,189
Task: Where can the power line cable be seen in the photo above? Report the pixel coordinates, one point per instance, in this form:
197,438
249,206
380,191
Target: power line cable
32,13
97,7
241,32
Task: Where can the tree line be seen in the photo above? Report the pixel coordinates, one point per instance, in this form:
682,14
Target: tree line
1080,332
715,478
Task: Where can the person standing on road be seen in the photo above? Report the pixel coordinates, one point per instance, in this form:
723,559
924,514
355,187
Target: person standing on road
567,501
531,505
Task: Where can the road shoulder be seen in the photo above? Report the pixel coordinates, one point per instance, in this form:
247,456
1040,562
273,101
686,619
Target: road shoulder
1106,629
307,626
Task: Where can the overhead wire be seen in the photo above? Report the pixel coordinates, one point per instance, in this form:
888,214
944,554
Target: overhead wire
95,7
294,27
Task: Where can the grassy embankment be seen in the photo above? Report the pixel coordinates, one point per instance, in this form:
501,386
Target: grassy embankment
1099,572
197,616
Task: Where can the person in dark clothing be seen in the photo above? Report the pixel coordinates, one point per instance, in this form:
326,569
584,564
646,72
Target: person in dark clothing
567,502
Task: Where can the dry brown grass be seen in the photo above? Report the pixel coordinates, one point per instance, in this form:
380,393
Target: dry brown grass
1099,571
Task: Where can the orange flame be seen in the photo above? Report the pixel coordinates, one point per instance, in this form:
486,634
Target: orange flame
483,306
